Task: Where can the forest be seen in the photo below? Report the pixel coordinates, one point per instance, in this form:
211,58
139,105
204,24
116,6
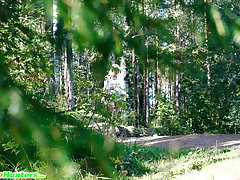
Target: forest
80,77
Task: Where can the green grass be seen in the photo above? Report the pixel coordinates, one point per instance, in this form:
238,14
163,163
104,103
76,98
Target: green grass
173,165
226,169
141,162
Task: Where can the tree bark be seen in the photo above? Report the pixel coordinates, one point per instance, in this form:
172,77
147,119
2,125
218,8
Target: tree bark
134,88
147,86
86,56
138,95
158,72
144,95
56,56
69,69
206,42
177,56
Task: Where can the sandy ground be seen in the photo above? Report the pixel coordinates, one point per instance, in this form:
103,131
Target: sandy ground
192,141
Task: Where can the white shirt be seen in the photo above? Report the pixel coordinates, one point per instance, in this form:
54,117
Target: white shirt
113,85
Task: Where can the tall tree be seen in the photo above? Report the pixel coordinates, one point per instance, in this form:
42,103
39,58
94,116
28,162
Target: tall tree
138,94
206,41
177,56
134,87
69,91
147,83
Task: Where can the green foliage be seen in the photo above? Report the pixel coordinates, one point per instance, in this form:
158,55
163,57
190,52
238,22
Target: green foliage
32,133
165,117
136,160
25,45
210,107
99,106
132,159
36,132
233,118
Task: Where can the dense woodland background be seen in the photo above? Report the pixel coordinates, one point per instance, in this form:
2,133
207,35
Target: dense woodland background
179,60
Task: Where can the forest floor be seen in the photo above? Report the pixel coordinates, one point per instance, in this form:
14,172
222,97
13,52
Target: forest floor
189,141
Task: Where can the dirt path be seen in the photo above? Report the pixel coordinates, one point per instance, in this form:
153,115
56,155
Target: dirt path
194,140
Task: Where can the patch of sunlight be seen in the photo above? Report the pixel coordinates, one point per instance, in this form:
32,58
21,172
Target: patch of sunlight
227,169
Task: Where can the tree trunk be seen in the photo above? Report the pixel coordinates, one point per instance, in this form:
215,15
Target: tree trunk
144,95
147,87
138,95
52,21
56,55
206,42
156,78
134,89
177,56
177,85
157,73
69,69
60,77
86,56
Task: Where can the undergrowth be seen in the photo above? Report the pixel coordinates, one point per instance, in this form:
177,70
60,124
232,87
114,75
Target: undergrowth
135,161
132,161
